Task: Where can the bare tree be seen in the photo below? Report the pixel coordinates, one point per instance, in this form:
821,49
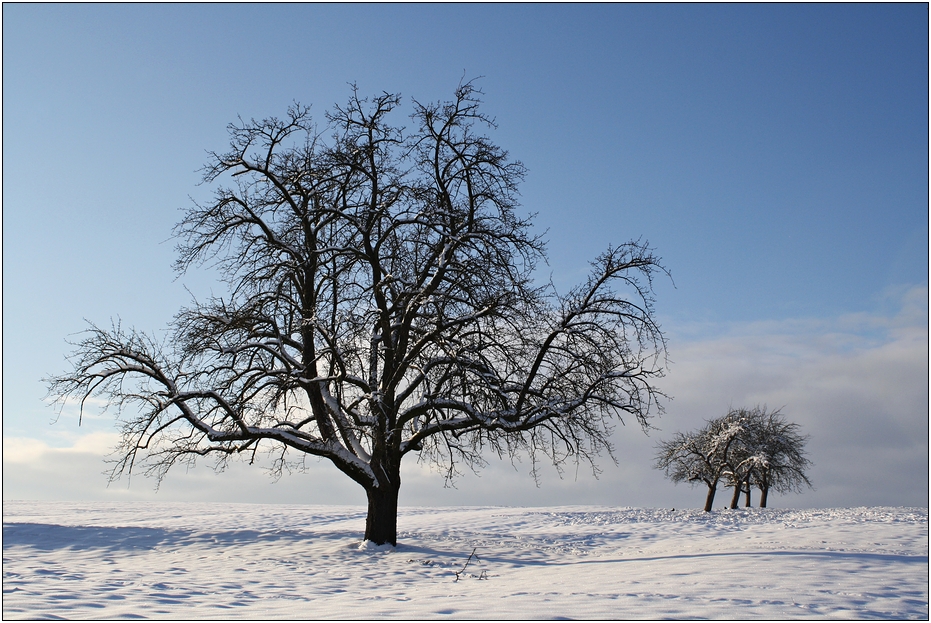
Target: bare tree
744,455
700,456
769,454
782,447
380,303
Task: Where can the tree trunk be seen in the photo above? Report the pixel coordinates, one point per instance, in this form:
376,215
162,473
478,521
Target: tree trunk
381,523
710,499
764,492
735,500
747,492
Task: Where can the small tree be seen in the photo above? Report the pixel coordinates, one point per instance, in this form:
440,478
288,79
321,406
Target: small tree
700,456
380,303
744,448
744,455
782,447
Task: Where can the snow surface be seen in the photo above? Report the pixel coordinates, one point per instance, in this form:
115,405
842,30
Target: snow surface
241,561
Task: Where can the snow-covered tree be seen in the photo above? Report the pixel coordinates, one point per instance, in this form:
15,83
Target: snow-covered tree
743,449
380,303
744,455
699,456
781,448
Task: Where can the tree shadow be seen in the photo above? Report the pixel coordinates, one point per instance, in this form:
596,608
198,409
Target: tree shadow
862,556
51,537
517,561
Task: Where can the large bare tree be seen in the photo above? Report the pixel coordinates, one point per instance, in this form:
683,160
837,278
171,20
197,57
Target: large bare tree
379,303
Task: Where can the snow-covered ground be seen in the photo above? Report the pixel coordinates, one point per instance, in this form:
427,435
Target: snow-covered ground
193,561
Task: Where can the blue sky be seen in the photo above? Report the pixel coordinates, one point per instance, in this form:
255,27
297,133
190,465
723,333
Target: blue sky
776,156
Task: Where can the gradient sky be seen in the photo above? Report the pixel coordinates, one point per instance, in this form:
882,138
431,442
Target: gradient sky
776,156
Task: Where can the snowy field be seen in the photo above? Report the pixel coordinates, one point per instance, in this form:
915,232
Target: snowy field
225,561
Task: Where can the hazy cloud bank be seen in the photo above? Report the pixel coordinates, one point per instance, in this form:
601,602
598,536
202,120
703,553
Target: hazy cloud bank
857,384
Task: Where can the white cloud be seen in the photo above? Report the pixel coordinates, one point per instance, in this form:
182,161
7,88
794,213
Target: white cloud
23,450
34,470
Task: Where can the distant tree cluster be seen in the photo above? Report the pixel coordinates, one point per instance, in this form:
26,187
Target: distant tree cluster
744,449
